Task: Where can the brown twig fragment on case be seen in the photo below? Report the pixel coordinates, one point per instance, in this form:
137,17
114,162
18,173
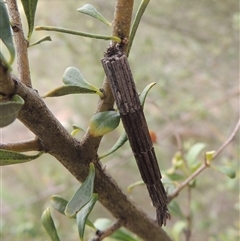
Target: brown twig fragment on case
118,72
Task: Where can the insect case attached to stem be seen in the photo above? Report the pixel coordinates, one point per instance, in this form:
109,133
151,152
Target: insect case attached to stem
118,72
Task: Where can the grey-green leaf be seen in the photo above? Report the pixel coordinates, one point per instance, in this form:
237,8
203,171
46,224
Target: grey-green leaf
74,84
104,122
226,170
82,195
192,155
92,11
83,214
72,76
67,90
49,225
6,34
59,203
29,7
12,157
9,110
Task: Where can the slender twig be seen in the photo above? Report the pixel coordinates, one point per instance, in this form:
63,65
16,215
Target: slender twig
23,146
229,140
205,164
78,33
100,235
21,43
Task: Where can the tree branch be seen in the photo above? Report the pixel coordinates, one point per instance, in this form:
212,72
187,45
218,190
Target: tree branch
76,156
20,43
23,146
205,164
100,235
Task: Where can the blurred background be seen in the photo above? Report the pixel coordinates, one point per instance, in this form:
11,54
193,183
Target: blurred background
191,50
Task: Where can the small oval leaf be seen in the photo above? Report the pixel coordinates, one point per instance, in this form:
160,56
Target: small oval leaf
92,11
192,155
6,34
226,170
9,110
59,203
82,195
49,225
72,76
83,214
12,157
104,122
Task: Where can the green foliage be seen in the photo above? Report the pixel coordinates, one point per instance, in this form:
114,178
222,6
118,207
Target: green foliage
11,157
103,122
83,214
74,84
192,154
92,11
49,225
82,196
6,35
79,207
9,110
59,203
29,7
226,170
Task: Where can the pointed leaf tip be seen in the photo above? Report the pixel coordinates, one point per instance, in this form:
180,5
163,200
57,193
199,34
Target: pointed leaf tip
12,157
29,7
92,11
82,195
83,214
49,225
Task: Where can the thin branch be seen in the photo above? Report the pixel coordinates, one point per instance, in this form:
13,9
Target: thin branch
228,141
100,235
23,146
78,33
21,43
205,164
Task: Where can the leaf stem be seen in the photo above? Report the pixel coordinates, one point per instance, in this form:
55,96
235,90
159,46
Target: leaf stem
136,22
73,32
